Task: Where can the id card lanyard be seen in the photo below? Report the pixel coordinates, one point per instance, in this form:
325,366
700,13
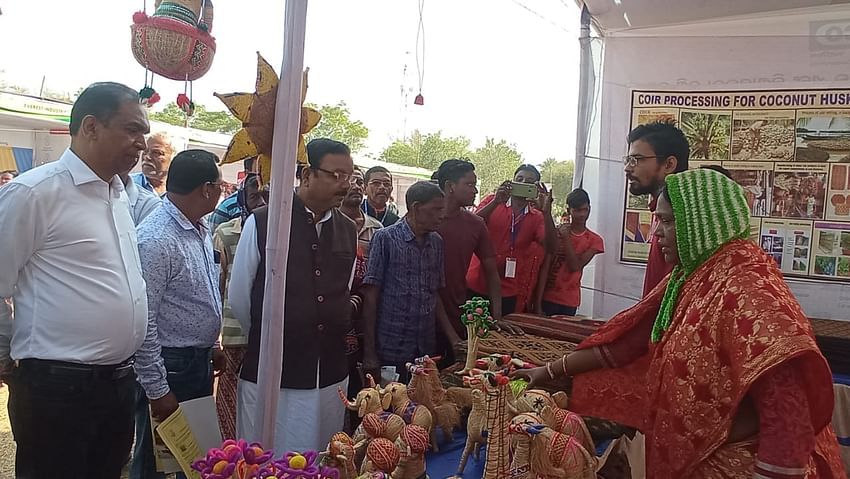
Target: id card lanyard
510,261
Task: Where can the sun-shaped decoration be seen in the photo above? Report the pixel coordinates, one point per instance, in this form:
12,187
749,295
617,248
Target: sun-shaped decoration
256,112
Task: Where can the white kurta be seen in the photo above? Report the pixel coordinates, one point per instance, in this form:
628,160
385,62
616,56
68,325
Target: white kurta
306,418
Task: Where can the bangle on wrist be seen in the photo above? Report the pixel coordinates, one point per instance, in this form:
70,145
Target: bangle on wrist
549,371
564,364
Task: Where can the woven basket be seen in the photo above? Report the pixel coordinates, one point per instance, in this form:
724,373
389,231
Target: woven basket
172,49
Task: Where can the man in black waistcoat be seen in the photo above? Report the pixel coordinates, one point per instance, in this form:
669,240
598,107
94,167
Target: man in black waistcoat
317,315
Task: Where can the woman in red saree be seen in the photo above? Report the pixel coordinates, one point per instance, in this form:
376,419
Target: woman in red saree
718,366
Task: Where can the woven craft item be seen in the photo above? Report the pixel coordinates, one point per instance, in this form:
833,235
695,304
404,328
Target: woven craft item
528,347
381,456
173,44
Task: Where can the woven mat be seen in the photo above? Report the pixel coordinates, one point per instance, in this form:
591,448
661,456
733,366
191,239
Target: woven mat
571,329
528,347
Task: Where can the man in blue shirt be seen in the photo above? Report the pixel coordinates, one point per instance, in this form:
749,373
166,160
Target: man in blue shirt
403,276
175,362
229,208
156,159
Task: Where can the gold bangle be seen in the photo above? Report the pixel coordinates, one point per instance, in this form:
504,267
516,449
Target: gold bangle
564,364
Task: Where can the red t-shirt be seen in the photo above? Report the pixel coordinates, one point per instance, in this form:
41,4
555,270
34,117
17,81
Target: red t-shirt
564,286
656,268
529,228
463,235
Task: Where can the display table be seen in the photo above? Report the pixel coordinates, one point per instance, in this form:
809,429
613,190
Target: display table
545,339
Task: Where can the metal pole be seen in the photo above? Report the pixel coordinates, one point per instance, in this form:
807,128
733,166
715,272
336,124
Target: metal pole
586,86
286,129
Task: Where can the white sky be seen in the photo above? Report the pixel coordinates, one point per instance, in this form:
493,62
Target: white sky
492,68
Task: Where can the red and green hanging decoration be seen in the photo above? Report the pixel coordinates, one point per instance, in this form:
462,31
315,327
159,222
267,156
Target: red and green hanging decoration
174,42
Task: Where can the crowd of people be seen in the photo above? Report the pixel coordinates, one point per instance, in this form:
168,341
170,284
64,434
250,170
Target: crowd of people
135,292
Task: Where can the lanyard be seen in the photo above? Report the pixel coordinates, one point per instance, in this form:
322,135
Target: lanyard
516,222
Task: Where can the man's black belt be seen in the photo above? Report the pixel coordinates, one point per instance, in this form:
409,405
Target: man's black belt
90,371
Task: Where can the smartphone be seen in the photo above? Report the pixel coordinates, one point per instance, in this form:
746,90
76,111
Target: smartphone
524,190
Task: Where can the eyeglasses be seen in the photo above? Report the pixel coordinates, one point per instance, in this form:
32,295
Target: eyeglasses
214,183
356,180
632,160
338,176
385,184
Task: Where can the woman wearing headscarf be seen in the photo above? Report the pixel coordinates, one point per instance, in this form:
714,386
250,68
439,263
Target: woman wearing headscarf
718,366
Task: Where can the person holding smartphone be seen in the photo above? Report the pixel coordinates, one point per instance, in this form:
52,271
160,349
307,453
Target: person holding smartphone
559,283
521,228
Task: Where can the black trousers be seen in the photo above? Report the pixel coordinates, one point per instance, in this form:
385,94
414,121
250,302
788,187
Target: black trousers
555,309
71,421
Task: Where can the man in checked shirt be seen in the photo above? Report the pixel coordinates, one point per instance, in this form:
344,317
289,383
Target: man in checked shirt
404,272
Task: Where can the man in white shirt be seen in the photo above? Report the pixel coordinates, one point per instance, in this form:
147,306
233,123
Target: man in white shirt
71,264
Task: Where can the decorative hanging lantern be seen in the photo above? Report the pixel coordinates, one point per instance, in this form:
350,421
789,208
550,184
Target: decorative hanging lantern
174,43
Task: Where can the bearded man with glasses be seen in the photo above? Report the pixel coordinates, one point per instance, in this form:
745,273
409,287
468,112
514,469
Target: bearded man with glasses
656,150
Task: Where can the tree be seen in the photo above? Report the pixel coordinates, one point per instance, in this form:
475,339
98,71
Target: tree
6,86
57,95
337,124
217,121
426,151
558,176
172,114
495,162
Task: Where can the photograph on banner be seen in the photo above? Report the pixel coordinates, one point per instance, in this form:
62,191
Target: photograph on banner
799,190
708,133
642,116
763,135
831,255
637,202
823,135
636,235
788,242
757,180
838,196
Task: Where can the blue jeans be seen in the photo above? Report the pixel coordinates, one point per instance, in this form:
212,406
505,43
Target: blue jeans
189,377
555,309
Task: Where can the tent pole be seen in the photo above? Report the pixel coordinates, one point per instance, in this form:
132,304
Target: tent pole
586,87
286,130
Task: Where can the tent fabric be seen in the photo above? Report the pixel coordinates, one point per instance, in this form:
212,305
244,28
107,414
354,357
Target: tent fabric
7,159
793,52
23,158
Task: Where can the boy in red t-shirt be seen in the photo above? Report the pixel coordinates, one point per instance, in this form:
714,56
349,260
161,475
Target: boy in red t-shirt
559,283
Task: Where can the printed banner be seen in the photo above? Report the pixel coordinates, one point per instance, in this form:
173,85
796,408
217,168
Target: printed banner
788,149
831,250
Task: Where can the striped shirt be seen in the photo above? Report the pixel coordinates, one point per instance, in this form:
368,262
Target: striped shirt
408,274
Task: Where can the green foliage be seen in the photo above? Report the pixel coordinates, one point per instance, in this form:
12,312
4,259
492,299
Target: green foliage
495,162
558,177
426,151
56,95
337,124
171,114
708,134
217,121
